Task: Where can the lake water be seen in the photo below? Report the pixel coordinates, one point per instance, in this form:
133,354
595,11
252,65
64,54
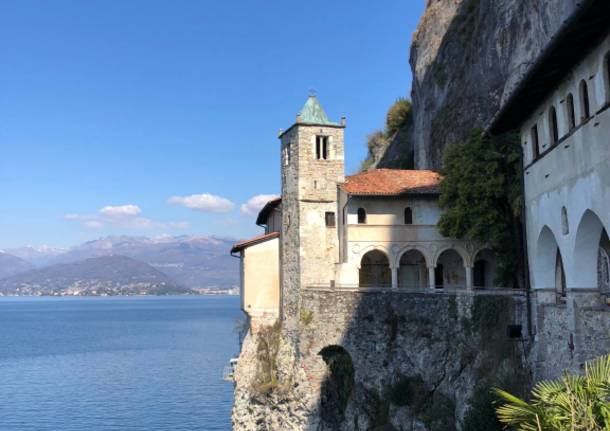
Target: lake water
120,363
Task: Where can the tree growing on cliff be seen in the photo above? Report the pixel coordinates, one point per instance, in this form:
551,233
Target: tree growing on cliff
573,403
399,115
481,196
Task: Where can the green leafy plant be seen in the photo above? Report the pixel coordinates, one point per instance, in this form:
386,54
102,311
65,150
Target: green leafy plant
268,345
572,403
481,198
399,115
306,316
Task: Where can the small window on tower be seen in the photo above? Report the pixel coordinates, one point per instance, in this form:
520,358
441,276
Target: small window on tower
322,147
330,219
287,154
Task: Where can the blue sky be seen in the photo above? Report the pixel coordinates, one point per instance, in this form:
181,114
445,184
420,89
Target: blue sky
109,109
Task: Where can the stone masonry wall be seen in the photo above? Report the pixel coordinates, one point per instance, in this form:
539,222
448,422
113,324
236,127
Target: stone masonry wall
389,361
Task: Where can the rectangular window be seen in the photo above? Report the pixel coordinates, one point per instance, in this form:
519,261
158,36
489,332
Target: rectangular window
330,219
322,147
287,154
535,149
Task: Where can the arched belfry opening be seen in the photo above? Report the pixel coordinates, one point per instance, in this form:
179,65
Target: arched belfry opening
412,270
375,270
450,270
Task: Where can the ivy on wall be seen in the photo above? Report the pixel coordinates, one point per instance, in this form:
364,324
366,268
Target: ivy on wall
481,198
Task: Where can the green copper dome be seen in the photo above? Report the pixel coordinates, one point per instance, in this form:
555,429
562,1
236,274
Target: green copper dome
312,113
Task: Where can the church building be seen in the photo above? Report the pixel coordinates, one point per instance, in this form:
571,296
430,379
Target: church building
372,231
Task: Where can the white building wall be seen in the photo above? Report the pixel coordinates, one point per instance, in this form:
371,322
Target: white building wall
386,231
575,173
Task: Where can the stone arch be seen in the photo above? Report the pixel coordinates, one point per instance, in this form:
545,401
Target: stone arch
484,268
547,257
373,247
338,385
409,248
586,251
374,270
458,250
450,268
412,267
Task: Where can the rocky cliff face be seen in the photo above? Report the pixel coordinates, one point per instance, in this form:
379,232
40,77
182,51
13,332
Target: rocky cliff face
466,57
382,361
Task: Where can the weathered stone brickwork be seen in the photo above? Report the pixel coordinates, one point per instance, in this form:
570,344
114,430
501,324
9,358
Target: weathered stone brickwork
380,360
309,190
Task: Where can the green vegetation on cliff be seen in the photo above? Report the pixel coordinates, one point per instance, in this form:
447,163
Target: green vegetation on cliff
399,116
481,196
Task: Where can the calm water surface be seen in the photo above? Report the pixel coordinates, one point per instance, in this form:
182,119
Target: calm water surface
93,364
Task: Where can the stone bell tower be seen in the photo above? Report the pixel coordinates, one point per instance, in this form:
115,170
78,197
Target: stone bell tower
312,166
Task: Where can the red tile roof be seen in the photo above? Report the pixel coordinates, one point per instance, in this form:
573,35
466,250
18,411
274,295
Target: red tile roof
264,212
392,182
252,241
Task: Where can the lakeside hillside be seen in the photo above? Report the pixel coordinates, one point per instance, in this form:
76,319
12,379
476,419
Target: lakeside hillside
106,275
11,265
195,262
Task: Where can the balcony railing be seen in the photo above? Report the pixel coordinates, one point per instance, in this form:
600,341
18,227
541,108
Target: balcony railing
453,290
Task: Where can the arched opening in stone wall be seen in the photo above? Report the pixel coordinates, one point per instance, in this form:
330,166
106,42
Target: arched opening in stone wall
453,273
412,270
548,268
589,240
338,384
484,271
375,270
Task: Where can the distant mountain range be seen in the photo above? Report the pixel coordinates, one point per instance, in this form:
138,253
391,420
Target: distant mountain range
11,265
187,262
106,275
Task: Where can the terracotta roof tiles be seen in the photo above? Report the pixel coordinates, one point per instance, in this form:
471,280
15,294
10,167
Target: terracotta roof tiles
392,182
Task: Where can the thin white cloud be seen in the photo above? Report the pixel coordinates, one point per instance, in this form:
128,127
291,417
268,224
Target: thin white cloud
123,216
255,204
93,224
128,210
204,202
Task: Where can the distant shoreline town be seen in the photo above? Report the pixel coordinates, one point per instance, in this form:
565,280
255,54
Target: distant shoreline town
122,266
